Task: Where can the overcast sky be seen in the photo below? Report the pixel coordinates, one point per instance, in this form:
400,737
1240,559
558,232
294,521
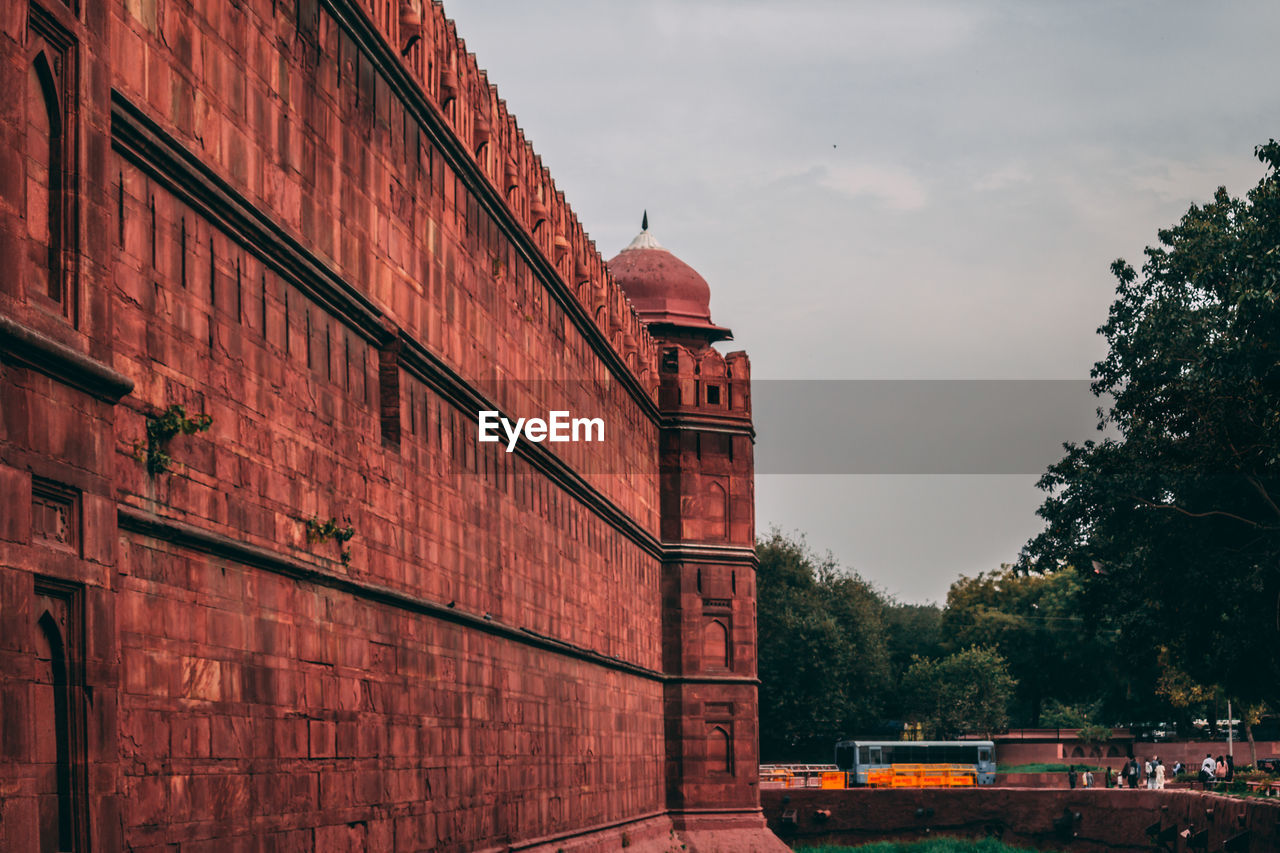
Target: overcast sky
894,191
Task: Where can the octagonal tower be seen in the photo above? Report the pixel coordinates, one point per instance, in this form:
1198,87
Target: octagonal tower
707,525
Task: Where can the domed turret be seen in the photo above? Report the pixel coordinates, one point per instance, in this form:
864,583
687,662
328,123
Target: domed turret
670,296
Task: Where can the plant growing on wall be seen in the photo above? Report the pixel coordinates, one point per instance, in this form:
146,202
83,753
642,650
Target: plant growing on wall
324,531
163,428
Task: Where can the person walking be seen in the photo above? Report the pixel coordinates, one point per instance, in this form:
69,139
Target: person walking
1150,768
1071,777
1132,772
1107,780
1159,775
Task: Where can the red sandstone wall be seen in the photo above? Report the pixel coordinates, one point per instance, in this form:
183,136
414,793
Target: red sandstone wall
318,710
338,255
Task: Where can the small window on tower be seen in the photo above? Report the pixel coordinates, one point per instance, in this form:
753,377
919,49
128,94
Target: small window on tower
713,395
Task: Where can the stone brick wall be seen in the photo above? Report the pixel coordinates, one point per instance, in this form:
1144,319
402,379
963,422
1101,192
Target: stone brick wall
317,224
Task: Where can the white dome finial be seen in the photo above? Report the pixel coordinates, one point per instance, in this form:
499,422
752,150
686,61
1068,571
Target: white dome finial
644,240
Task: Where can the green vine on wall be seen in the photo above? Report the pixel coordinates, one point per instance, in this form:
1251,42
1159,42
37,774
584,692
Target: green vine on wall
323,531
163,428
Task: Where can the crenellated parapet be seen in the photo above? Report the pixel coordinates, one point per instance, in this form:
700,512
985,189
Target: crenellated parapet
703,382
436,57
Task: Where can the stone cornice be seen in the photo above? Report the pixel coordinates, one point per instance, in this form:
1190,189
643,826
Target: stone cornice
750,681
186,535
692,552
709,424
148,146
26,347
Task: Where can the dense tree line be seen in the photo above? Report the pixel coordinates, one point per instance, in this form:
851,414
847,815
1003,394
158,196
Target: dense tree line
838,658
1010,648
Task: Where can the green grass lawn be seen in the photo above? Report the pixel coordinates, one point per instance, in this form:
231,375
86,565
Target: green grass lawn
933,845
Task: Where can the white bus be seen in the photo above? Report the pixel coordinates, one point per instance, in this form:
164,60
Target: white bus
857,757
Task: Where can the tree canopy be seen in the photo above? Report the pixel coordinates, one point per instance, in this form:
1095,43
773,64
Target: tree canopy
1055,651
823,663
1176,517
964,692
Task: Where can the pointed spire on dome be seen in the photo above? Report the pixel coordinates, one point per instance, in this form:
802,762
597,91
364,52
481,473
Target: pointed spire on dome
644,240
669,295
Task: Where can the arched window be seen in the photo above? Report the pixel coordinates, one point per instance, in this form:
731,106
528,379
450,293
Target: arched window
52,741
57,718
48,145
44,177
717,512
719,753
715,646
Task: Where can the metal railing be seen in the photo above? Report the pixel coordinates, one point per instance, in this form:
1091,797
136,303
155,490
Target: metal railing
799,775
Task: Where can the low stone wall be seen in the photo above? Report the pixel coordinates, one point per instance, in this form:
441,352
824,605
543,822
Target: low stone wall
1096,820
1033,780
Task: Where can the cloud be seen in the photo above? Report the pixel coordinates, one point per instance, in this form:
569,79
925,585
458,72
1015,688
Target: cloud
895,187
861,33
1180,181
1004,177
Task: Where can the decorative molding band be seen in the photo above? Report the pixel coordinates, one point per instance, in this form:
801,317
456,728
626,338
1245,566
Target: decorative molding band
356,24
26,347
692,552
712,679
149,147
706,424
219,545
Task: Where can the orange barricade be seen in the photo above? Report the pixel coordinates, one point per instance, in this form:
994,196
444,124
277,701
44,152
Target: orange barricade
924,776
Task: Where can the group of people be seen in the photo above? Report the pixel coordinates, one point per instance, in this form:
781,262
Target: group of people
1153,772
1219,770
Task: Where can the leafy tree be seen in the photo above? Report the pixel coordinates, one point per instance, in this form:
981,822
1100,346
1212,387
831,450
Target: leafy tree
1056,652
822,658
1094,735
1059,715
1179,515
1250,716
911,630
966,692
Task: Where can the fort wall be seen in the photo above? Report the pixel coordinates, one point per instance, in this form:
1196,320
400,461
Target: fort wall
317,224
